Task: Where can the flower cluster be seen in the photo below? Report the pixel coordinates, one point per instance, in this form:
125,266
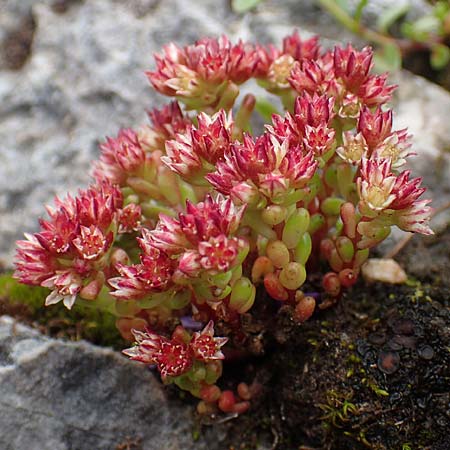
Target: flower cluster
191,215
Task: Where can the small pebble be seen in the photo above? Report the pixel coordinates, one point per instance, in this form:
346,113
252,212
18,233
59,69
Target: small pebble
384,270
388,361
377,338
405,341
394,345
362,346
426,352
404,326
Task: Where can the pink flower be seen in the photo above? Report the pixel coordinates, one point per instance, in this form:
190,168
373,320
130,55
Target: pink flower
266,166
293,47
309,76
121,157
195,152
415,218
205,346
313,111
166,123
375,185
65,286
352,67
34,263
219,253
172,357
91,243
152,275
395,147
318,140
200,222
130,218
201,239
198,70
73,244
353,148
375,126
395,199
374,91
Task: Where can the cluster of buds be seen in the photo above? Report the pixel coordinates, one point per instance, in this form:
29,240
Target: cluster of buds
191,216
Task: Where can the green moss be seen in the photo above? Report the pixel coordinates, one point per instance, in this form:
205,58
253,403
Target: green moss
79,323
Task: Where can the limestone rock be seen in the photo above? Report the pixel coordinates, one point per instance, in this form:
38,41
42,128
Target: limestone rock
69,396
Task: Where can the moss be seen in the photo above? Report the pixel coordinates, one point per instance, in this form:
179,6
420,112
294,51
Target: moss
27,303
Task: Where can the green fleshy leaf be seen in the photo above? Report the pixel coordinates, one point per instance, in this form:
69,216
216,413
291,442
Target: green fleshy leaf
242,6
440,56
421,28
391,15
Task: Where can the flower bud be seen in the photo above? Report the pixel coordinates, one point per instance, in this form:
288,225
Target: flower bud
125,325
304,309
292,276
303,249
262,266
278,253
295,226
273,214
274,288
331,284
91,290
180,334
242,295
345,248
119,255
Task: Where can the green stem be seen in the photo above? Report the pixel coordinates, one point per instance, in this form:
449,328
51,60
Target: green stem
353,25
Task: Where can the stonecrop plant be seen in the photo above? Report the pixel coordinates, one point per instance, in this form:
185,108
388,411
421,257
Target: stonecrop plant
191,221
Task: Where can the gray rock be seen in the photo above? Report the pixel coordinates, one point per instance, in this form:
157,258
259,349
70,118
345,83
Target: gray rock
85,79
74,396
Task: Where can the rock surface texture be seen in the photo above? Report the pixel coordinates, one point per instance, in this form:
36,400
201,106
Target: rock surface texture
57,395
84,78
